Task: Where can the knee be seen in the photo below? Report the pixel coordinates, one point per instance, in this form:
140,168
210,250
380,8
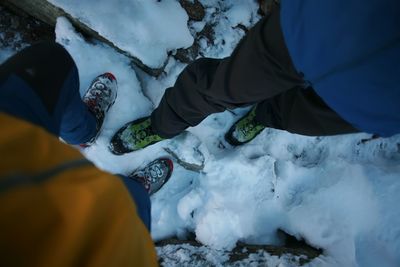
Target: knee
53,53
50,65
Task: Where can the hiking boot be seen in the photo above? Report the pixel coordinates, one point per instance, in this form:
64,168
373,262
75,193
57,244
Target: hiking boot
133,136
245,129
99,98
154,175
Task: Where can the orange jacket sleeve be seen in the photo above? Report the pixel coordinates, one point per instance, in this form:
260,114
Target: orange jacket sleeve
57,209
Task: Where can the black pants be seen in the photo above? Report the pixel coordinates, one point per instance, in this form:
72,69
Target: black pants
259,71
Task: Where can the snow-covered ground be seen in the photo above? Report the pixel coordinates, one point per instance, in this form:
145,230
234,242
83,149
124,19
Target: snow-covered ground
134,25
337,193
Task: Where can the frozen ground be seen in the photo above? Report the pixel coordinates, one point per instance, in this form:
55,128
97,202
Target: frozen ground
187,255
338,193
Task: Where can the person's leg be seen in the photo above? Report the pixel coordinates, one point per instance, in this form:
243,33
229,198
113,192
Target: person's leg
40,84
258,69
301,111
144,182
298,110
141,198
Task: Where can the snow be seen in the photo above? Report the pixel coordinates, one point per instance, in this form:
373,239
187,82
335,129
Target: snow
147,29
338,193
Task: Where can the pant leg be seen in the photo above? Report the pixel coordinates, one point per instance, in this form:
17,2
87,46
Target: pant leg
40,84
259,68
78,125
141,198
260,71
301,111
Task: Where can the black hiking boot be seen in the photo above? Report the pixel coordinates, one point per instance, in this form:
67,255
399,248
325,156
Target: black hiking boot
245,129
133,136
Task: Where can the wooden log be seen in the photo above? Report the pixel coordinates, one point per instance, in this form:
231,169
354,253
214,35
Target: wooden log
48,13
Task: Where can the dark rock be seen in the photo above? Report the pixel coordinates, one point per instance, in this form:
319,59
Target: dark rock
294,248
242,27
207,33
19,30
194,9
188,55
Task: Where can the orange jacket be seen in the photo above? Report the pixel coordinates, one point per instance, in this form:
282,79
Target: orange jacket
57,209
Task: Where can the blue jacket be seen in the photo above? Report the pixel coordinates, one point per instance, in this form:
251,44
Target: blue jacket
349,50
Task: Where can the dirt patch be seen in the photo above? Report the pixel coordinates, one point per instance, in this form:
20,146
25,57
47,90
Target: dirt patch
20,30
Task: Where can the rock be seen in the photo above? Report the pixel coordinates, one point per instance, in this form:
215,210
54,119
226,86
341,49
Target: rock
194,9
188,55
191,252
192,159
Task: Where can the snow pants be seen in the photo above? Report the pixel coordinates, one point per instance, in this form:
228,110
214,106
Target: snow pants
259,71
41,85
